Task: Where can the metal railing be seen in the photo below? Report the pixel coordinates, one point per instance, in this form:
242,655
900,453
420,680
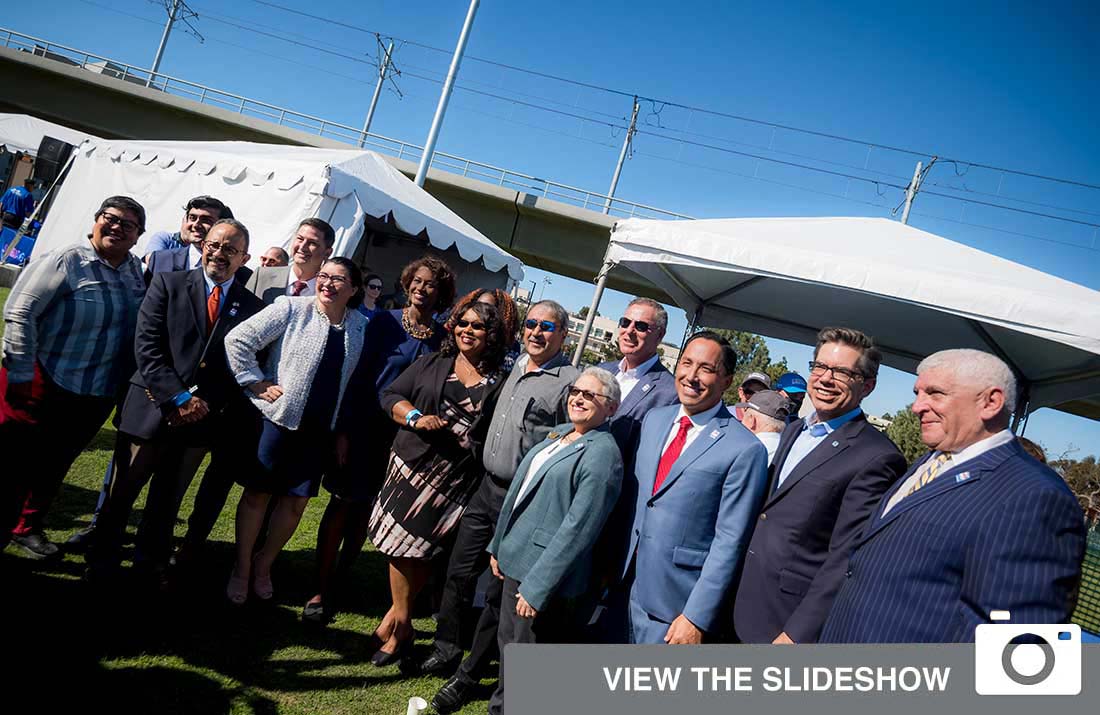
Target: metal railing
328,129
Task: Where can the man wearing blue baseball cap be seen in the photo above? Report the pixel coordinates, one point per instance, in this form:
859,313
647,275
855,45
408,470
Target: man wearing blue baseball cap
793,386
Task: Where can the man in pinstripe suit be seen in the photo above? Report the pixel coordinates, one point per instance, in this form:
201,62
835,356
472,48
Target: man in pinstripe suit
976,525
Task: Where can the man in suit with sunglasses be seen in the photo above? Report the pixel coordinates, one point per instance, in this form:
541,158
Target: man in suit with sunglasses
182,400
532,401
645,384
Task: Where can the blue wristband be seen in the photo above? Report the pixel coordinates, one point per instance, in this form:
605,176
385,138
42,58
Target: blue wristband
411,416
182,399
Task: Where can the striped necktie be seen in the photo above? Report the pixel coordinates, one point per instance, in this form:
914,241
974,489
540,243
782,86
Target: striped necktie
931,470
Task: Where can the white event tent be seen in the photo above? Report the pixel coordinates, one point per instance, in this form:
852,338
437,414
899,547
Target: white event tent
21,132
270,188
915,292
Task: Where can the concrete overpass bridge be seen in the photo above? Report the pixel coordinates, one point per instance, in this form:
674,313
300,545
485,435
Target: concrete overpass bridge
548,225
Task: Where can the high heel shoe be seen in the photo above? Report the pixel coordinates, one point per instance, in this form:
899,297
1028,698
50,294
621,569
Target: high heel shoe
236,590
381,658
262,587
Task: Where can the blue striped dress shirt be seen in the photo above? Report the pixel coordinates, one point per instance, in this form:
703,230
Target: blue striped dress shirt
74,314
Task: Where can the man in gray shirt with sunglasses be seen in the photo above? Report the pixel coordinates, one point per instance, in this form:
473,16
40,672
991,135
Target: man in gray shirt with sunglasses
531,403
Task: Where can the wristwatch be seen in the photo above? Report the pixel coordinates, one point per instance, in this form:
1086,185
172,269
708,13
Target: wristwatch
412,416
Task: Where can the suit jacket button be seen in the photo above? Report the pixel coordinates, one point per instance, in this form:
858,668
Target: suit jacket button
848,573
202,364
763,517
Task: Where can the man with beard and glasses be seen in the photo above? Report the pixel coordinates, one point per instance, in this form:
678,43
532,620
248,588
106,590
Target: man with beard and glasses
182,401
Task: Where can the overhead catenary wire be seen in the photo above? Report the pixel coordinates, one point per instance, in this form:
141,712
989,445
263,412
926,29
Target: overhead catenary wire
704,110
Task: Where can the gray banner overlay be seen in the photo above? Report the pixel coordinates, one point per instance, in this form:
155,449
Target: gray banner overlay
841,679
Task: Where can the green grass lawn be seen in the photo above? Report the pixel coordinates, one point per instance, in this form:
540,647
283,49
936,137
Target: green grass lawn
128,650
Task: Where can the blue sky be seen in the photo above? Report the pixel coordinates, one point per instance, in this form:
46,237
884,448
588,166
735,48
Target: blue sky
1007,84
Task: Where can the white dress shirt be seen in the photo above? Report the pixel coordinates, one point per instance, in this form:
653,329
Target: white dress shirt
698,422
292,278
194,255
629,377
536,464
771,443
957,459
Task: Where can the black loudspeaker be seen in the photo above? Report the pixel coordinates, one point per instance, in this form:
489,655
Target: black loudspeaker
52,155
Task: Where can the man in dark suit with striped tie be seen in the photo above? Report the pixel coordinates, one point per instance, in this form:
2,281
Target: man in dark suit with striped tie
977,525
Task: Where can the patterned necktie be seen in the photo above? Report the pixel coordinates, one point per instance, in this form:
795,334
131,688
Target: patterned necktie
297,287
212,305
672,452
931,471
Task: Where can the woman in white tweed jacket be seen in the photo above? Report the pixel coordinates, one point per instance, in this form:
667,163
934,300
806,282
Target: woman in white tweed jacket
313,345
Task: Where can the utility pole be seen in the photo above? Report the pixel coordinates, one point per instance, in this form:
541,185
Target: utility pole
173,15
914,186
445,96
622,156
377,91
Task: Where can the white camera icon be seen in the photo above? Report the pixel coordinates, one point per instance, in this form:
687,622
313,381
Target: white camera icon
1026,658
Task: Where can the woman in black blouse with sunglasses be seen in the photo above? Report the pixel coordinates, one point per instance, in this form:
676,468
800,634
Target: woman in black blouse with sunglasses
443,402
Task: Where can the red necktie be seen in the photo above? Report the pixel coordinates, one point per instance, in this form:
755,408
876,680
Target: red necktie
212,305
672,452
297,287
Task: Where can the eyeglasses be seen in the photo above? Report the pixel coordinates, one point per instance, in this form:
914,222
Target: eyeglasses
116,220
547,326
640,325
843,374
374,286
588,395
213,247
338,281
468,324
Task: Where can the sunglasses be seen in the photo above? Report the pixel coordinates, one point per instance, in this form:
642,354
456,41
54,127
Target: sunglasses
374,286
640,325
467,324
588,395
546,325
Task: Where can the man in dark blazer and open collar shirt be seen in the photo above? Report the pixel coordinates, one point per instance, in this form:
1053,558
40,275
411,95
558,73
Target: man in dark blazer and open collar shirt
829,472
976,526
182,397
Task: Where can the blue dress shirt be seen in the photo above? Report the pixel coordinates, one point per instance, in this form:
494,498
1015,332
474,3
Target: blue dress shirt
812,434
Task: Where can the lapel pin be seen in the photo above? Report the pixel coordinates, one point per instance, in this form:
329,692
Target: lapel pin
714,434
962,477
836,444
645,388
553,436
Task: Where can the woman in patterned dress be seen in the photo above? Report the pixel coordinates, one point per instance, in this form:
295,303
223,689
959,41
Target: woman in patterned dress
443,402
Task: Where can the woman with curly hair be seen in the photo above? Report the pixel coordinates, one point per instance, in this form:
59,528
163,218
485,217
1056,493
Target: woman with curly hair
394,339
443,403
509,315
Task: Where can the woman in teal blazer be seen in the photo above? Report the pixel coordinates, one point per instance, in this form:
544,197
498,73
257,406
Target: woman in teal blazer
560,497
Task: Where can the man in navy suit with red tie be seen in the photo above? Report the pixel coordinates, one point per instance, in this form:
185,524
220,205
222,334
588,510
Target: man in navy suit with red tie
182,401
976,526
701,477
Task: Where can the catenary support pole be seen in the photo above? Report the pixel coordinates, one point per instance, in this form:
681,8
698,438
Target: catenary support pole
172,13
911,192
445,96
377,91
601,283
622,156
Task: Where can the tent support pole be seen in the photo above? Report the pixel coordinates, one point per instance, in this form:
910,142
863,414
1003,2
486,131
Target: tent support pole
692,326
601,283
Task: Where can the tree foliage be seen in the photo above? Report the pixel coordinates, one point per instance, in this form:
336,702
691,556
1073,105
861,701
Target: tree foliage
752,356
1083,477
905,433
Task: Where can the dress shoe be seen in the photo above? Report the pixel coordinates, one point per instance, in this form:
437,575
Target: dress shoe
35,545
81,539
381,658
452,696
436,664
315,613
261,585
